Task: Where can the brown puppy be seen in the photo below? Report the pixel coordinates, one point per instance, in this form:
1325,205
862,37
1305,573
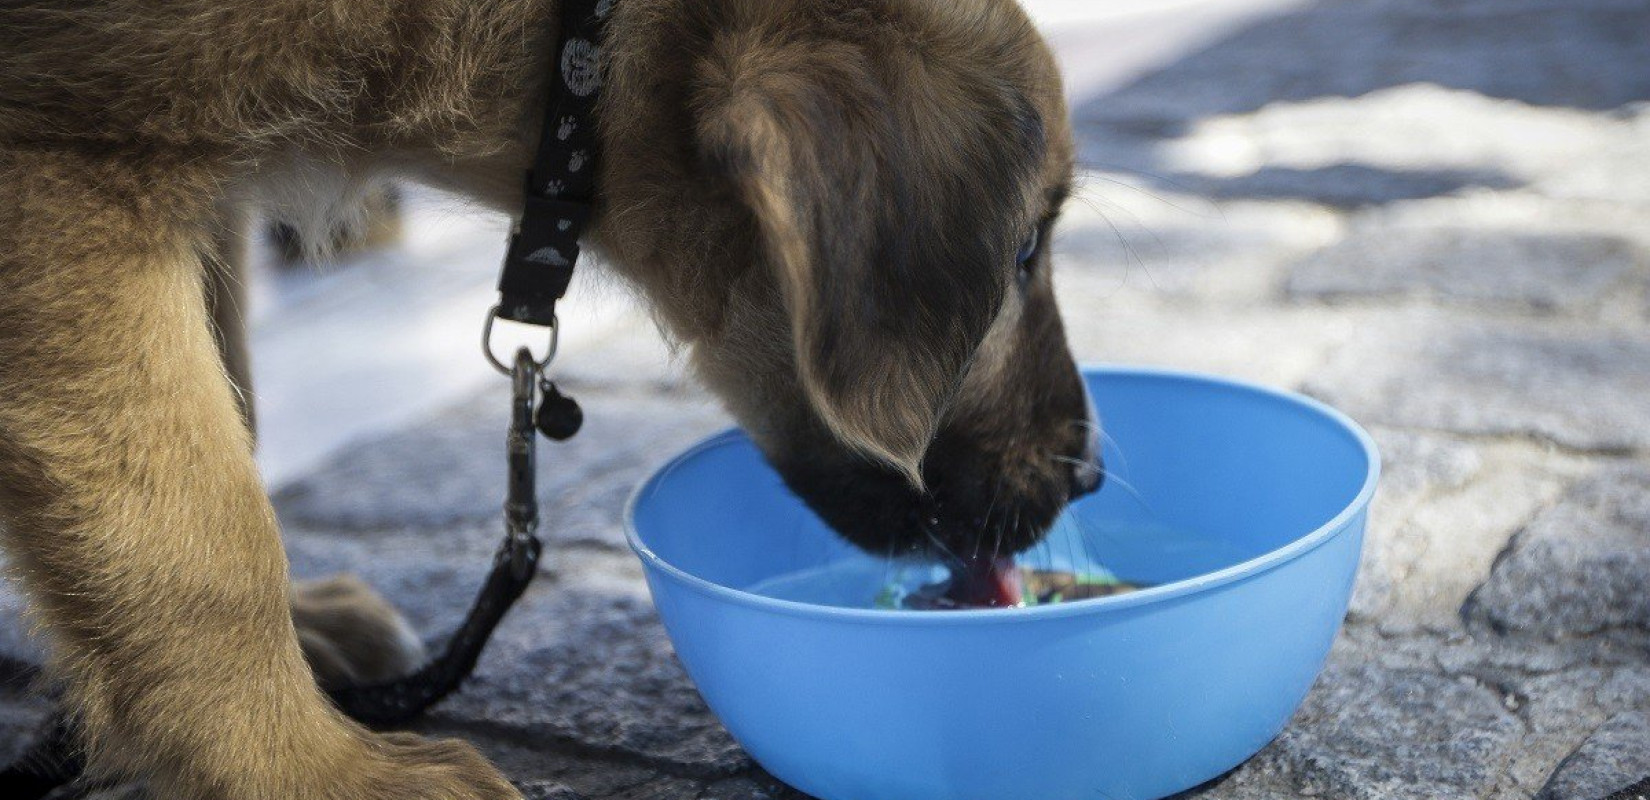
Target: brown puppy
835,203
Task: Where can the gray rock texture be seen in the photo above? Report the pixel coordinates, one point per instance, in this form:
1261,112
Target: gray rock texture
1541,272
1434,215
1579,567
1615,749
1578,386
1347,185
447,470
1541,52
1369,732
605,681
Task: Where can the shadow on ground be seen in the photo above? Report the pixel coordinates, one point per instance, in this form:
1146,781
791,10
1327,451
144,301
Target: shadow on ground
1592,55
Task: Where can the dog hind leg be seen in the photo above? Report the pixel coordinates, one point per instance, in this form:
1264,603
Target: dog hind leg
375,225
350,635
133,512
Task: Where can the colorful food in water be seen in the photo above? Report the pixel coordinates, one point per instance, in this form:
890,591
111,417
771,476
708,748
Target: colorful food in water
999,583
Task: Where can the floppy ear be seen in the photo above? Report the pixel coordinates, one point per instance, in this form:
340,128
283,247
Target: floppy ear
888,262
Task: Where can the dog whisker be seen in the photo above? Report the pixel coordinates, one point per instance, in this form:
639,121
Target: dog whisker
1105,438
1112,477
1134,259
1087,192
944,550
996,493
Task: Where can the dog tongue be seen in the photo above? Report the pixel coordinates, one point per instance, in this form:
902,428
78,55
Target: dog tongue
985,583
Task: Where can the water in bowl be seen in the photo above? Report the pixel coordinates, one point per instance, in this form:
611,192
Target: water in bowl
1137,552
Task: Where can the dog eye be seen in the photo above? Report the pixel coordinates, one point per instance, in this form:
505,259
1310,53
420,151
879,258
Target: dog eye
1028,249
1027,256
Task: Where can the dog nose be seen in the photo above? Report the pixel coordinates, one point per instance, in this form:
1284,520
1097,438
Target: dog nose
1087,477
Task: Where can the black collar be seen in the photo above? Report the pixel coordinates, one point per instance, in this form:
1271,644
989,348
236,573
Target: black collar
561,185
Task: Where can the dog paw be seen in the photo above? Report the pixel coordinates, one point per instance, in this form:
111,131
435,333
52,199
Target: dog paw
414,768
350,635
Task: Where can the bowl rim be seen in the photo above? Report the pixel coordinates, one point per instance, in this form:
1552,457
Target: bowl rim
1162,593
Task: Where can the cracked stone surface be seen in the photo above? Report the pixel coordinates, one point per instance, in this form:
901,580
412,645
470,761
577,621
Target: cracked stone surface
1371,732
1595,769
1348,49
1347,185
1576,385
1541,272
625,428
1579,567
606,681
1434,215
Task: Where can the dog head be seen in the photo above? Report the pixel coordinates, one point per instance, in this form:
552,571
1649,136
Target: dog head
842,207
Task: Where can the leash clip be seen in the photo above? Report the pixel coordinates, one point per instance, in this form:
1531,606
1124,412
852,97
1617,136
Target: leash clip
538,365
521,546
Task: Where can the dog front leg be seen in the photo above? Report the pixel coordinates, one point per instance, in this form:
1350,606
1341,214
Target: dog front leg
133,511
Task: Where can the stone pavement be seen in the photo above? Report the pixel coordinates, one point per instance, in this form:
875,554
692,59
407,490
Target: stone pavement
1434,215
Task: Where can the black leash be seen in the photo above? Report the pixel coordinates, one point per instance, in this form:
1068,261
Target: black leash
538,266
398,701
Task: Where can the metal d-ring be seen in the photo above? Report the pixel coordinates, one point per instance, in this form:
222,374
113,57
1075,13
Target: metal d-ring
487,344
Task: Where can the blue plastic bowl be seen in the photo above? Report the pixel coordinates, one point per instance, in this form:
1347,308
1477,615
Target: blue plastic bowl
1132,696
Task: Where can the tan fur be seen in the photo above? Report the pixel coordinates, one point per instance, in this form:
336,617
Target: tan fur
760,84
348,633
766,166
225,260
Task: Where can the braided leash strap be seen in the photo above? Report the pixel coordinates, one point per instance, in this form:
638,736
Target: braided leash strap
399,701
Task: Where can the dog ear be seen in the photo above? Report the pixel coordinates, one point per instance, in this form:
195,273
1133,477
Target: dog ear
887,258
